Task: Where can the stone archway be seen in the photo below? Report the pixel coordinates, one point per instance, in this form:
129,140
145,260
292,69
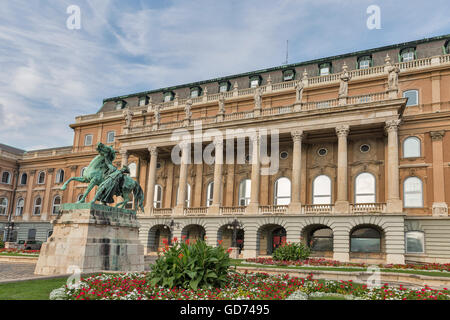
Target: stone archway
157,235
225,235
319,238
270,237
193,232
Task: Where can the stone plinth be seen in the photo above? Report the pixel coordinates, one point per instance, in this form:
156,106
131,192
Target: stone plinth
93,238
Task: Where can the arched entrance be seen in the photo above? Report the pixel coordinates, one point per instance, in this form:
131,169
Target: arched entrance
225,234
319,238
193,232
270,237
157,235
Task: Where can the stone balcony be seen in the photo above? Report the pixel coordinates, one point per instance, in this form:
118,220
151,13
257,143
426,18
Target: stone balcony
307,209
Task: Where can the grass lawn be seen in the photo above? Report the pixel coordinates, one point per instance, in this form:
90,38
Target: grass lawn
30,290
15,254
238,262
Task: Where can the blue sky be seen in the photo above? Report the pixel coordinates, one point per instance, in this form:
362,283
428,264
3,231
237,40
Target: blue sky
50,74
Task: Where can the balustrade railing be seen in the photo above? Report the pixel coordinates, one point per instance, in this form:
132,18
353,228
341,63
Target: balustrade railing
162,211
368,208
273,209
317,208
232,210
195,211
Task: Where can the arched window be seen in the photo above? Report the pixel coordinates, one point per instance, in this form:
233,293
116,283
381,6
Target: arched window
321,240
413,97
37,206
157,197
415,242
282,191
3,206
412,193
41,177
59,176
411,147
365,188
244,192
56,205
19,206
23,179
209,194
6,177
133,170
365,239
322,190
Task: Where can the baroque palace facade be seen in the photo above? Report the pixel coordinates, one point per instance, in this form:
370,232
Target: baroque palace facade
362,172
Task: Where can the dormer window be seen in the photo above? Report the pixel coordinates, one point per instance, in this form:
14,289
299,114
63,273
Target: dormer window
325,69
255,81
196,92
288,75
224,86
168,96
364,62
446,47
120,104
407,54
143,101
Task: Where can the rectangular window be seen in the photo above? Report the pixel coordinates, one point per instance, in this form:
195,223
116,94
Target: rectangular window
110,137
414,242
167,98
142,101
223,87
254,83
364,64
119,105
413,97
407,56
194,93
88,140
31,235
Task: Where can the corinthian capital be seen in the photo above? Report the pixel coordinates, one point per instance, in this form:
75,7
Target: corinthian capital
153,151
342,130
297,135
437,135
218,142
392,125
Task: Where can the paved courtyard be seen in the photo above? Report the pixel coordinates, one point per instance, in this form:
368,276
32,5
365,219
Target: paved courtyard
16,271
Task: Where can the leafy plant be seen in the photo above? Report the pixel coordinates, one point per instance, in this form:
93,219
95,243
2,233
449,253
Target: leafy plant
191,266
291,252
2,244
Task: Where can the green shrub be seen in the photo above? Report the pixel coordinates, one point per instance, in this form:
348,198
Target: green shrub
2,244
191,266
291,252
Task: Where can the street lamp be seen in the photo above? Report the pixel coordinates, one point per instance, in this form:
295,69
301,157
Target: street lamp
172,225
9,230
234,226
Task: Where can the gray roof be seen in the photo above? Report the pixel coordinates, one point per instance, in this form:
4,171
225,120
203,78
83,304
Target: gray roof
11,149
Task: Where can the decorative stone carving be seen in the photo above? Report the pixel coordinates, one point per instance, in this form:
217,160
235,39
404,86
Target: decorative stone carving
342,131
128,114
299,86
344,79
187,109
221,103
437,135
392,125
153,151
297,135
258,98
393,77
157,114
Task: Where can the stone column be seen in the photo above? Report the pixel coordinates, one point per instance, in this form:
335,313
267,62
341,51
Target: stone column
217,190
393,203
182,184
124,157
198,185
341,204
151,179
250,243
29,202
256,176
47,200
295,206
440,207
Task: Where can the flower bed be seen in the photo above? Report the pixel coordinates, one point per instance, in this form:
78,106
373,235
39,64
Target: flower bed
19,251
248,286
333,263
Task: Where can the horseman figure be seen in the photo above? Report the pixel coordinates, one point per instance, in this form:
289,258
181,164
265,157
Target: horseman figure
111,181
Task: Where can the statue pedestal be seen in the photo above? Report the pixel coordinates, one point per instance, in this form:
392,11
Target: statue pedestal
92,238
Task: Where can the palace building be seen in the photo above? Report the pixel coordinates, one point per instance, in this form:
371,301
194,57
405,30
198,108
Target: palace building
360,170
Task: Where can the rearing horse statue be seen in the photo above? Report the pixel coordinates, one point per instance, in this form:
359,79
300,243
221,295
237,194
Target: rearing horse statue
97,170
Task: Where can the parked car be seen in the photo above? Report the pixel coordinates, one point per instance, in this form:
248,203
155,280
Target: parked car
29,245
